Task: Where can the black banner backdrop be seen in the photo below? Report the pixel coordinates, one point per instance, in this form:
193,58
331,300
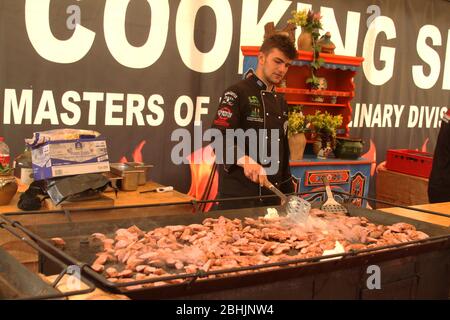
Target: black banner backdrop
137,70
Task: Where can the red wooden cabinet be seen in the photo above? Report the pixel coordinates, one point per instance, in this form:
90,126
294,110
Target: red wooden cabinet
351,176
338,72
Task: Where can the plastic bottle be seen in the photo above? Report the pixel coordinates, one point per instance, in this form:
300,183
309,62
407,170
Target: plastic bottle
23,167
4,152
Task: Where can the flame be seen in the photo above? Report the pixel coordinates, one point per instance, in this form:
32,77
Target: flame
424,146
201,163
372,155
137,153
381,166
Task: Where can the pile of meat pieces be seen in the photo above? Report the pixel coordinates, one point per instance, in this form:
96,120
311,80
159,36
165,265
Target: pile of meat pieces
223,244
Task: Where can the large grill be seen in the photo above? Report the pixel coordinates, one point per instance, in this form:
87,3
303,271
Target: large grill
418,269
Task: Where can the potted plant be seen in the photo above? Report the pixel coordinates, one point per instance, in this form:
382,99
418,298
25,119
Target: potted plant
297,126
8,185
324,125
310,22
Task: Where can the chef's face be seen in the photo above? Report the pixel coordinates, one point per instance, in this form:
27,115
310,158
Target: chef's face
273,66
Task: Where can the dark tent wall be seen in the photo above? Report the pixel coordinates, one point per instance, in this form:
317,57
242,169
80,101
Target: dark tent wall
137,70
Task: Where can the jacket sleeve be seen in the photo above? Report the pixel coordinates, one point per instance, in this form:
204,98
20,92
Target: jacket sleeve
228,117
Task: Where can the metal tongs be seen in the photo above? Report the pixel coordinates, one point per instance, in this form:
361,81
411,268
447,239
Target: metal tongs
296,208
331,205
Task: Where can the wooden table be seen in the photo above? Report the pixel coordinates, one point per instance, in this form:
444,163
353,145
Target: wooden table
124,198
26,255
97,294
422,216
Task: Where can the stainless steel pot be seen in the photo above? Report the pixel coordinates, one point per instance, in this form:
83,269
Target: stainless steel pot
129,174
142,179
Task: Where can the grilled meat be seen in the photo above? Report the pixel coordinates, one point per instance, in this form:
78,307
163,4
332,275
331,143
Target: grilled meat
221,243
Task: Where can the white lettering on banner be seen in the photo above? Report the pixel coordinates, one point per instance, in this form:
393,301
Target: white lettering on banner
398,113
351,31
199,110
185,30
446,80
425,117
37,23
17,108
429,56
388,110
135,106
190,112
154,106
413,116
252,30
387,54
73,49
44,113
68,104
111,108
116,38
382,116
93,98
181,101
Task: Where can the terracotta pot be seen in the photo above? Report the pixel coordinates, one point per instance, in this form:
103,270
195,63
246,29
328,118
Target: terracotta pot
297,144
305,41
8,188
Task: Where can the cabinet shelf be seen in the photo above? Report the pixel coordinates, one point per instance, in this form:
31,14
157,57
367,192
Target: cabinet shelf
317,104
314,92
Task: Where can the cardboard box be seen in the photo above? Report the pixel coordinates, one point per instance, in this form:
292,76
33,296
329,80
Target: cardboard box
65,158
400,189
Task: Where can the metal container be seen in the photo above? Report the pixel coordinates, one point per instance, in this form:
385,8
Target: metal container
130,176
418,269
142,179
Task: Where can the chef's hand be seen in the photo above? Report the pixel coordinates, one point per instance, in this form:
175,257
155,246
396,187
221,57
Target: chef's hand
253,170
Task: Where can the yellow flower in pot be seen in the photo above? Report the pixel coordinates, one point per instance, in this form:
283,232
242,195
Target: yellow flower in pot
297,126
324,125
8,185
311,23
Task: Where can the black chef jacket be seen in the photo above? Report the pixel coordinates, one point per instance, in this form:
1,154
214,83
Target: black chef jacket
245,105
439,182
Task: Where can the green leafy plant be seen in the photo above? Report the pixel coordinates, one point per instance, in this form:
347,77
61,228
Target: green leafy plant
297,122
313,81
306,19
310,21
5,170
325,125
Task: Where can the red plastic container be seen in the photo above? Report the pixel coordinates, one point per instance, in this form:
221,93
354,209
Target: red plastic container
411,162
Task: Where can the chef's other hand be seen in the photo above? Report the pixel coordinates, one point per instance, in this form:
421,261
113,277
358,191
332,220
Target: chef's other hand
253,170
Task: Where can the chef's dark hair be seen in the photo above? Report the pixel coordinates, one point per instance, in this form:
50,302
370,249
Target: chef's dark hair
280,42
